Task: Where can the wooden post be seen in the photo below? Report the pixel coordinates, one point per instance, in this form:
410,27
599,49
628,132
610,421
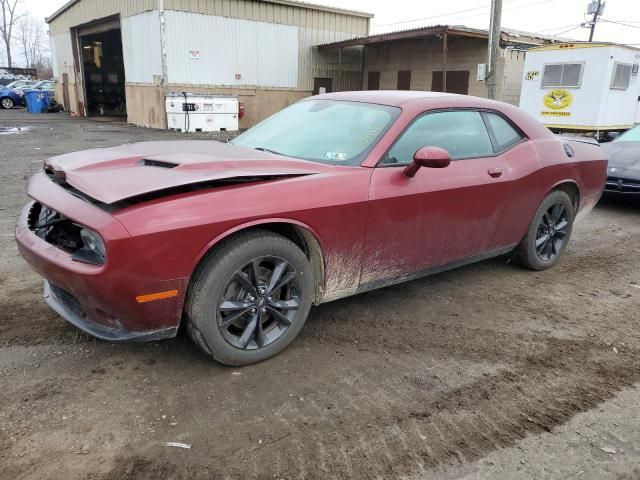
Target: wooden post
445,59
494,48
364,51
339,89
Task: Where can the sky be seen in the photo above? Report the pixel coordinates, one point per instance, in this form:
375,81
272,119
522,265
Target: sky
549,17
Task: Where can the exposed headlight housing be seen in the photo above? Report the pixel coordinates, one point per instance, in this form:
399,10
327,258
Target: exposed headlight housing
93,249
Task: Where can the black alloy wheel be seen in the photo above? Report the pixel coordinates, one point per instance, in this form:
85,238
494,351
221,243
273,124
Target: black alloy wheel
552,232
250,297
259,303
549,232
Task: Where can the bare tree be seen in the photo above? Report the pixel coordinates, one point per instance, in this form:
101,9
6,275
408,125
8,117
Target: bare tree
8,19
30,33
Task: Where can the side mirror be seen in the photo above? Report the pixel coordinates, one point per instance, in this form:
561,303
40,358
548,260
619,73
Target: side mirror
428,157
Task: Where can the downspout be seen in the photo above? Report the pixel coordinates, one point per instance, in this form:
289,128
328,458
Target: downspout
163,54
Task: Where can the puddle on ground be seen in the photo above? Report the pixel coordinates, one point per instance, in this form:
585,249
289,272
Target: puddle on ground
13,130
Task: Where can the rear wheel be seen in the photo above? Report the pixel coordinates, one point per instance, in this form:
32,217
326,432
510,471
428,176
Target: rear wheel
250,298
548,234
6,103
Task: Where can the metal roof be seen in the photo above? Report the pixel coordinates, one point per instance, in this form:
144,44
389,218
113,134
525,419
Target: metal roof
516,36
292,3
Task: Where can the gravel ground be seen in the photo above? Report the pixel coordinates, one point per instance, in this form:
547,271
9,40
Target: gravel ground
489,371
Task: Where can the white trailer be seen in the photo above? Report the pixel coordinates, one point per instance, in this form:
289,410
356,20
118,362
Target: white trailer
582,86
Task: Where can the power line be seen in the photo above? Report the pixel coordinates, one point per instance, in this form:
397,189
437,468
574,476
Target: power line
567,31
517,7
558,28
620,23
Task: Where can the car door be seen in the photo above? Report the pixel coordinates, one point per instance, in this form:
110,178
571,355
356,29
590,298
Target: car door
440,215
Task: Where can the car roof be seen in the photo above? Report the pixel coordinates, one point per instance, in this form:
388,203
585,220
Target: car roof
392,98
417,101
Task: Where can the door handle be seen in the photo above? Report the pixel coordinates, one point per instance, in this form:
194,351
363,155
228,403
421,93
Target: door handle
495,172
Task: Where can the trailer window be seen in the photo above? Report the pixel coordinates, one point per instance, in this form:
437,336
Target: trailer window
562,75
621,76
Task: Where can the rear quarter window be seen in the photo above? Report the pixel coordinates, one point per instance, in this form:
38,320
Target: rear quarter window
505,135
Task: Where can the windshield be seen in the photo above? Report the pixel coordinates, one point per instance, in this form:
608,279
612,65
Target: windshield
632,135
327,131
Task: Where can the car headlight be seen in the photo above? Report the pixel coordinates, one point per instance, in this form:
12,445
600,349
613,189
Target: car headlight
93,249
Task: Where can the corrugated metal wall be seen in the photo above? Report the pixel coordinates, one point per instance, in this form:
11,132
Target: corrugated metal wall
325,65
61,52
141,47
275,13
264,54
88,10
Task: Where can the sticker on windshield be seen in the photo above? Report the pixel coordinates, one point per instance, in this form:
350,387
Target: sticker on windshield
336,156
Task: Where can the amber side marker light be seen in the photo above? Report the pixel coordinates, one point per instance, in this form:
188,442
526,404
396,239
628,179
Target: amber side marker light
156,296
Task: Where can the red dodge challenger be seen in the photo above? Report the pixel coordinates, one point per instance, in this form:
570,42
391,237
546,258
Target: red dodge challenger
335,195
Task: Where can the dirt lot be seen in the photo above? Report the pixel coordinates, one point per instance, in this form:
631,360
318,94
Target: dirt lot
490,371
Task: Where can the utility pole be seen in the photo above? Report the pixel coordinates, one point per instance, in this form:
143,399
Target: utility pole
595,7
494,48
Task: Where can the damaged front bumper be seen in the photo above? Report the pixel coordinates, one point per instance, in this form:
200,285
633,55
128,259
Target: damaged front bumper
103,300
69,308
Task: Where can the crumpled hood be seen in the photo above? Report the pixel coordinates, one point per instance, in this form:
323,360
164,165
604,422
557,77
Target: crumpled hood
624,159
113,174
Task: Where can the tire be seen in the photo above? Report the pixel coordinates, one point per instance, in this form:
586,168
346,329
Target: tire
536,253
6,103
225,285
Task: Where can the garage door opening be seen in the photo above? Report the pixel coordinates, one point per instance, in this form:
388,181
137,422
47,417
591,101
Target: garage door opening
103,71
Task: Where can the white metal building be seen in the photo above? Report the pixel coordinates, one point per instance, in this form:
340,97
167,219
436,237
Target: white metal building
583,86
122,56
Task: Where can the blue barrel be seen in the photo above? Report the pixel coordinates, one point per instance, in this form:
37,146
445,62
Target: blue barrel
37,101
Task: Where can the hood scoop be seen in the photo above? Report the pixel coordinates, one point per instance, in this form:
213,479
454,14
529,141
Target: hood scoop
151,169
150,162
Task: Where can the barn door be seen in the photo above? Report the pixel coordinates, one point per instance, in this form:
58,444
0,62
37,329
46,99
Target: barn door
457,82
322,85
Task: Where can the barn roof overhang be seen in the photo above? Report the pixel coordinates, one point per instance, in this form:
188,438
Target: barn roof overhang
512,38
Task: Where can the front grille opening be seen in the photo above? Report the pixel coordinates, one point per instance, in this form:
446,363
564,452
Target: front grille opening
68,300
55,228
623,185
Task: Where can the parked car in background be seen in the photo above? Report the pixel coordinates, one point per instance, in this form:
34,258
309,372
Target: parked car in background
10,98
337,194
624,164
47,85
20,84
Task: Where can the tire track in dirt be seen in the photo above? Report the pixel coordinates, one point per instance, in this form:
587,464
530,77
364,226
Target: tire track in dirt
447,427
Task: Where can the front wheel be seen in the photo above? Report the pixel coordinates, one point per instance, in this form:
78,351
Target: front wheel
548,234
250,298
7,103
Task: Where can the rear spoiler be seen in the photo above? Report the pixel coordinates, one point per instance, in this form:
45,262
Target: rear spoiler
579,138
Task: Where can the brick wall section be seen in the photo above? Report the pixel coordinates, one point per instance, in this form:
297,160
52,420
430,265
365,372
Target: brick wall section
511,71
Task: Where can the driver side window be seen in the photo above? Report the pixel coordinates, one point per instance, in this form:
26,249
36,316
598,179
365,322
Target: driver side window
462,133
